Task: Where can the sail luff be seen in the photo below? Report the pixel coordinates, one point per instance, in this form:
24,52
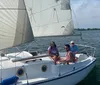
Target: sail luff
71,17
15,26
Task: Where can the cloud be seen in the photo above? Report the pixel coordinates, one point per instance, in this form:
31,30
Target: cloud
87,13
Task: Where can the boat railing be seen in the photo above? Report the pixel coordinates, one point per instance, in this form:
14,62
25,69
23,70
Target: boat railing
89,50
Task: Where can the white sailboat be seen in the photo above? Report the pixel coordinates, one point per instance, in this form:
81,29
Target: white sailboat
22,68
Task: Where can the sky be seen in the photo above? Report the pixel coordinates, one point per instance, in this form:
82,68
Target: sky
86,13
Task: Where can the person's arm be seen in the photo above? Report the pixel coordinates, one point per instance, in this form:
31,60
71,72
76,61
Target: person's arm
49,51
49,48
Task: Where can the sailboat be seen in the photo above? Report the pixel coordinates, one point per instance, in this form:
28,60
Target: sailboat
29,68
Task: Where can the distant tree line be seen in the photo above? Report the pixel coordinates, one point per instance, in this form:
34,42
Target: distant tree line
87,28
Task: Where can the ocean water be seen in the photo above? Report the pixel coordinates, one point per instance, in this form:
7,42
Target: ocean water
89,37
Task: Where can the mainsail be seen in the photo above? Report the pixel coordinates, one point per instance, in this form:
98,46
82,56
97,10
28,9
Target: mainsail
15,26
50,17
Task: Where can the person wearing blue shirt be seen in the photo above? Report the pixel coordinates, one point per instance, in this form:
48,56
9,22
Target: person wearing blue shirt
73,47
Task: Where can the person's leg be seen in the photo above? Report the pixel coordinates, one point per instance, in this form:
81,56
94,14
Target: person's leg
58,59
54,59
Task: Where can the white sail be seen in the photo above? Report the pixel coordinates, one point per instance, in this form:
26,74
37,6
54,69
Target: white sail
15,27
50,17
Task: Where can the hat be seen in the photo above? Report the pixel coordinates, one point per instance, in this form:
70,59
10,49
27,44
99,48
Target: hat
72,42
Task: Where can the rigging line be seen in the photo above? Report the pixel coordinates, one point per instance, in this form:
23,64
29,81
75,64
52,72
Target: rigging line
57,16
32,13
1,67
52,14
30,9
15,64
83,5
18,49
78,25
24,49
47,8
67,26
75,18
37,43
15,67
28,45
40,12
26,74
52,23
55,12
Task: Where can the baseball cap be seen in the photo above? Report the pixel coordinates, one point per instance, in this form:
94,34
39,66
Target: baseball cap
71,42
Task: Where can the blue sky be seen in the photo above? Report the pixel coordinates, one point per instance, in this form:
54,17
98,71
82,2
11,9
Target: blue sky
86,13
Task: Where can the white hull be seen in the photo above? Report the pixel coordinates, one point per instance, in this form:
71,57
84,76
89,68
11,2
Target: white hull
70,79
60,74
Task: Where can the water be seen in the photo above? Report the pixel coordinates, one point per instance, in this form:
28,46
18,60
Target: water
89,37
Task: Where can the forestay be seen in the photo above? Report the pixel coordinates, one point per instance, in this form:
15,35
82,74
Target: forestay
50,17
15,27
